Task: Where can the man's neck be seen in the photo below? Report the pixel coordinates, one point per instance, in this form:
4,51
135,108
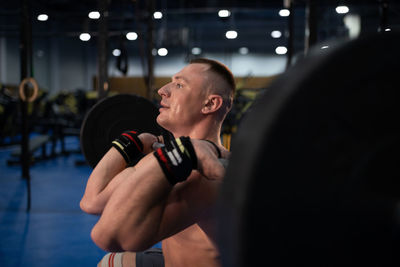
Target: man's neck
206,130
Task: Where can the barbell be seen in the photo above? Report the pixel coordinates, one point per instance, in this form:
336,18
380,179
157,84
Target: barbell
314,176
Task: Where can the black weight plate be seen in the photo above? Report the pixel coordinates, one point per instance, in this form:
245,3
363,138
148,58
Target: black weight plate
110,117
314,176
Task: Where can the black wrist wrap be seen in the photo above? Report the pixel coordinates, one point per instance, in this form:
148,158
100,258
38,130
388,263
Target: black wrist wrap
130,146
177,159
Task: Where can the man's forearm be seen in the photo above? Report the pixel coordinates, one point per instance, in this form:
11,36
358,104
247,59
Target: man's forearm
104,178
102,182
132,217
136,215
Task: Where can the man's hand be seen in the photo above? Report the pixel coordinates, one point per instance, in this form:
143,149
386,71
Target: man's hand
148,140
208,163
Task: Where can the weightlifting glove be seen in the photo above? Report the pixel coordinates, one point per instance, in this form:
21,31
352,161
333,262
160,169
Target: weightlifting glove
130,147
177,159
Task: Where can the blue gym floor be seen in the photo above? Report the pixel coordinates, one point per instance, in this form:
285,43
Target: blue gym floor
55,232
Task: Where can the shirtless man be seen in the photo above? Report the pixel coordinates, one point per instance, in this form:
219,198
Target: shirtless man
140,206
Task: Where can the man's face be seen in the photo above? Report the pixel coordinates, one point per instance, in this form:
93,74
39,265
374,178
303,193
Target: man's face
182,99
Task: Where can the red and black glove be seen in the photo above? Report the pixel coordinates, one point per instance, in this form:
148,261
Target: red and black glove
130,147
177,159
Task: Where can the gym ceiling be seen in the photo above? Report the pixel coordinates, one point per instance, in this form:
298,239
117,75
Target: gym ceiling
195,24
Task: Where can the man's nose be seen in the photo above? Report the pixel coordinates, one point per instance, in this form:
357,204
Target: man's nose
164,91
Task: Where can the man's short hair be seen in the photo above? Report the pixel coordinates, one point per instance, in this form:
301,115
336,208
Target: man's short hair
222,71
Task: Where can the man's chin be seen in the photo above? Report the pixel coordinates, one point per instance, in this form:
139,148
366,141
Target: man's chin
163,123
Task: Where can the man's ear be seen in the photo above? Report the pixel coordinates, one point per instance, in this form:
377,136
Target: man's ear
212,104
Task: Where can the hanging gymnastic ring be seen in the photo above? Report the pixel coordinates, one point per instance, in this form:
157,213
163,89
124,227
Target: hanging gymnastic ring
22,91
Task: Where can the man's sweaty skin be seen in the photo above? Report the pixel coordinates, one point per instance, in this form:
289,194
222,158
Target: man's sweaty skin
139,207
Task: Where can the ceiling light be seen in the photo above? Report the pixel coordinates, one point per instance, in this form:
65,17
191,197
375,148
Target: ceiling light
162,52
325,47
388,30
196,50
231,34
224,13
131,36
243,50
42,17
116,52
84,36
353,24
281,50
276,34
284,12
342,9
94,15
157,15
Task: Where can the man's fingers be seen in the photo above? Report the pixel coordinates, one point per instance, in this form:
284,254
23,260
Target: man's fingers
148,141
212,168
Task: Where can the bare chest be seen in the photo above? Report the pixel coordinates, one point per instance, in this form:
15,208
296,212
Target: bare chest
190,247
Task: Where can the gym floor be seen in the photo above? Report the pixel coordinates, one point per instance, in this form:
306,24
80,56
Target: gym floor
55,232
